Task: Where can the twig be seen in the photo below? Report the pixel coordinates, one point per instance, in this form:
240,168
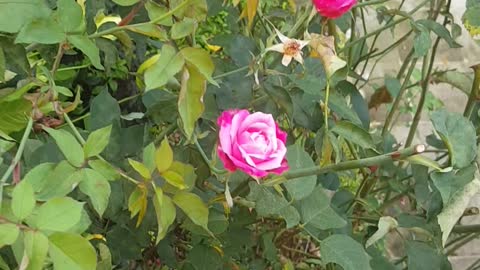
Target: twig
17,157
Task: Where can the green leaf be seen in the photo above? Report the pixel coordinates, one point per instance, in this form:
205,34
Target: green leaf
57,214
97,188
14,115
183,28
71,251
385,225
70,16
149,157
440,31
43,31
104,110
344,251
196,9
204,258
126,2
165,212
23,200
88,47
393,86
13,15
423,257
97,141
282,98
8,234
458,134
63,90
354,133
460,80
59,182
300,188
37,177
36,247
156,11
174,179
422,42
268,204
164,156
68,145
194,208
427,162
338,104
317,212
15,56
455,208
164,69
105,257
3,264
201,61
190,100
140,168
105,169
449,183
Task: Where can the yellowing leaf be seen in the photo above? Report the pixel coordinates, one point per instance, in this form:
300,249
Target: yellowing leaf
200,60
190,101
174,179
140,168
164,156
250,11
137,203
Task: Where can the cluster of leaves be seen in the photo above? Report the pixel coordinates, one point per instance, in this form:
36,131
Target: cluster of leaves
108,115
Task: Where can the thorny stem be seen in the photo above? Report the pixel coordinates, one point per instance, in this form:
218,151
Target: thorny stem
396,103
474,93
17,157
347,165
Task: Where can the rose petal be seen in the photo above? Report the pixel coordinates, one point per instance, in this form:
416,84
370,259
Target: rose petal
227,163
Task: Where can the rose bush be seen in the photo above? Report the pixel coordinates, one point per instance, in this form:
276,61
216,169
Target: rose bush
148,134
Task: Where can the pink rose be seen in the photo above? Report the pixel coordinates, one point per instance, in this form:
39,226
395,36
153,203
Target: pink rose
252,143
333,8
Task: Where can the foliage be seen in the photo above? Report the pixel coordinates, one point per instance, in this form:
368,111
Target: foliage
108,136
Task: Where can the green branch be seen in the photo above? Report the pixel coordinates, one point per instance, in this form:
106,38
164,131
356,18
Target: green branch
347,165
17,157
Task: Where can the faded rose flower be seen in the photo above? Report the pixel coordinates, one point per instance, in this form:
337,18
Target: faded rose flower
291,48
333,8
252,143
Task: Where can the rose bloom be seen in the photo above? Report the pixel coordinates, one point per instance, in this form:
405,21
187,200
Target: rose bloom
252,143
333,8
